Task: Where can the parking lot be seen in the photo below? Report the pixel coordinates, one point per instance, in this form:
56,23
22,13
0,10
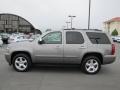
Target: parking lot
59,77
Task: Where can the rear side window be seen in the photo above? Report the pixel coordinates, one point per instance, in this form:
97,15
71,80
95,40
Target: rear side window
74,38
98,38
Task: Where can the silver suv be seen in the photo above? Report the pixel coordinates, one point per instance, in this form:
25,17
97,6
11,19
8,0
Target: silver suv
88,48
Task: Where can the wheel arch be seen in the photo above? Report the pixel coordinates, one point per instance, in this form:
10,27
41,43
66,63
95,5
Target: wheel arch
20,52
99,55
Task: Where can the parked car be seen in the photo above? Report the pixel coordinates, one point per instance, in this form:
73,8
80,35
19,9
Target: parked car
34,36
17,38
88,48
1,42
5,37
116,38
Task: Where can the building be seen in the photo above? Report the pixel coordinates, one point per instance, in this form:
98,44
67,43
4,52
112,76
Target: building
112,24
10,23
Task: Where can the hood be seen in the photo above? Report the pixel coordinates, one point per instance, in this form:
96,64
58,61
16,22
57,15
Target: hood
20,44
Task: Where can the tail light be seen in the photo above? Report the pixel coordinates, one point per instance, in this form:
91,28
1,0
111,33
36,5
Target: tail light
113,49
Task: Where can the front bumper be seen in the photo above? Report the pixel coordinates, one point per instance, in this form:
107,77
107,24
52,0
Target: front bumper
109,59
8,58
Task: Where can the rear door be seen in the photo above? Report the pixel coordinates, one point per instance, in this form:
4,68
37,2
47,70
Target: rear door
73,46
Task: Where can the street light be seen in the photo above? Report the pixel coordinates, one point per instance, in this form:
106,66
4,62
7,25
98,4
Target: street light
67,24
63,27
71,19
89,14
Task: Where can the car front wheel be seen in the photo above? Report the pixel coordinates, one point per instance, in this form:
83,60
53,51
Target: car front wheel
21,62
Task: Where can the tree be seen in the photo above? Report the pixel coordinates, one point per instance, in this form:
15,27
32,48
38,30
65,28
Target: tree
114,33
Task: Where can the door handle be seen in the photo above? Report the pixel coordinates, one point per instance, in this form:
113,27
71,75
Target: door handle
57,46
83,47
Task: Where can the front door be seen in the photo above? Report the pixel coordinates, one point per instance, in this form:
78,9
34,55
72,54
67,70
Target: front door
51,51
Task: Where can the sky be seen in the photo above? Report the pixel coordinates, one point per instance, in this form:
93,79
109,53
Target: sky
53,14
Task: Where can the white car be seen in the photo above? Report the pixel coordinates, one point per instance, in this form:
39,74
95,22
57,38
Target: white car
1,42
114,38
17,38
118,40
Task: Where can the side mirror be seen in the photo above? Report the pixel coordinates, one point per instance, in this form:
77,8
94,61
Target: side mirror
40,41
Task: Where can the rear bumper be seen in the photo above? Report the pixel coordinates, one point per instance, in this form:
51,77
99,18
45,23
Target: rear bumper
8,58
108,59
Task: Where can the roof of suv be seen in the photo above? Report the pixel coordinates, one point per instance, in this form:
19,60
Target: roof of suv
85,30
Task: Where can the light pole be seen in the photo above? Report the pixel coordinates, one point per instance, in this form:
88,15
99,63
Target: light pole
71,20
89,14
67,24
63,27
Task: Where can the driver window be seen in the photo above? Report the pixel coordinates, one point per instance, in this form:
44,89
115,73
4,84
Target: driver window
53,38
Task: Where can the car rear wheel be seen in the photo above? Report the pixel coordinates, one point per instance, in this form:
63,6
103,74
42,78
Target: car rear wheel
91,65
21,62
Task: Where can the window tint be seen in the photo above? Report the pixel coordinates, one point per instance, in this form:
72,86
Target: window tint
53,38
98,38
74,38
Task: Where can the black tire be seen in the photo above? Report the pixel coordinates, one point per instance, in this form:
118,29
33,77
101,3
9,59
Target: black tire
25,57
93,69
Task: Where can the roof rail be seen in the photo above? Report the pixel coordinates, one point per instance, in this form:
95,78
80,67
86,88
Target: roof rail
84,29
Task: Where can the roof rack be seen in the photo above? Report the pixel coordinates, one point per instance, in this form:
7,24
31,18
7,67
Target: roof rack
84,29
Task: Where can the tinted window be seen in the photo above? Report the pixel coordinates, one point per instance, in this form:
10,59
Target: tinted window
74,38
98,38
53,38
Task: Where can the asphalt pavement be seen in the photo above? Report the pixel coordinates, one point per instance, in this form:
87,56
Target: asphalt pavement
59,77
